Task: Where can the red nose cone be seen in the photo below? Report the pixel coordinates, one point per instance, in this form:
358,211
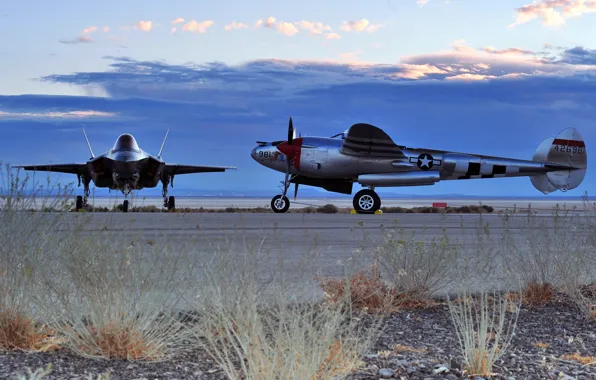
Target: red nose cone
292,151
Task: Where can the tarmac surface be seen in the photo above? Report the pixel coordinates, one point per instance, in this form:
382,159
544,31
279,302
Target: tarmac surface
328,244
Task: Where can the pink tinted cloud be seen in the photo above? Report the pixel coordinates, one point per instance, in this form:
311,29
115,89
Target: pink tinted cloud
553,12
179,20
313,28
194,26
145,26
90,29
287,28
332,36
269,22
361,25
56,115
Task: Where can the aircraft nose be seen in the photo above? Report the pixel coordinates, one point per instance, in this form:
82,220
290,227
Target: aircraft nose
254,153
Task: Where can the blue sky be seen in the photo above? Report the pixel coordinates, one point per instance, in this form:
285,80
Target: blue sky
475,76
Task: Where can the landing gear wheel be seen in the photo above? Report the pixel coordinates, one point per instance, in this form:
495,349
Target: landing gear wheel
280,203
79,203
125,205
171,203
366,202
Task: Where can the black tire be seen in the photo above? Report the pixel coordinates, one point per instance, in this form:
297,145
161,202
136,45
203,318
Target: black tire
280,203
171,203
125,206
79,203
366,202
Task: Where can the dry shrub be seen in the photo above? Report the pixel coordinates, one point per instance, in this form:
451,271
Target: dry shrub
368,292
480,324
26,236
115,298
365,291
257,328
118,341
536,294
20,332
418,269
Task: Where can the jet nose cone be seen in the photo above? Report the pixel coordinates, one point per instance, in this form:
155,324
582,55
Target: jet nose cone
254,153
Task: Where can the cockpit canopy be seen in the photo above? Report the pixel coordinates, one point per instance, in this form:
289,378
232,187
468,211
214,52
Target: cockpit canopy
126,142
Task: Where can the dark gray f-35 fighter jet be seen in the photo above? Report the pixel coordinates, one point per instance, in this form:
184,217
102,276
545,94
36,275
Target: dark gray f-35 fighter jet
125,167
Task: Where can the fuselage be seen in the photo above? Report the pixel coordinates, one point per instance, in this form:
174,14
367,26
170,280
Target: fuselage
126,166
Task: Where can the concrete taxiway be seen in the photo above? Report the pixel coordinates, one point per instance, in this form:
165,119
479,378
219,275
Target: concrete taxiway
308,243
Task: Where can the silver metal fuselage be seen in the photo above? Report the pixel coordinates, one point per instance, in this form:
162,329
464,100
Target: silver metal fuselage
321,157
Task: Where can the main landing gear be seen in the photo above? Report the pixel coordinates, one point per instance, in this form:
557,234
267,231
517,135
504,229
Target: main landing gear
82,201
366,201
169,203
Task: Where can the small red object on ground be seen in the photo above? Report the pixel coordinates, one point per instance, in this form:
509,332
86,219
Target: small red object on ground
439,204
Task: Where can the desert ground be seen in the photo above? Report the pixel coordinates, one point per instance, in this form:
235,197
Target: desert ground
93,265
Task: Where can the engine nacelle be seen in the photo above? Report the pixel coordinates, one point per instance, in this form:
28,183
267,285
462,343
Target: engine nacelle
400,179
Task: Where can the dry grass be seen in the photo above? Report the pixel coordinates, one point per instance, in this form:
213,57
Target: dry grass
20,332
482,331
24,239
368,292
417,269
256,328
536,294
115,302
582,359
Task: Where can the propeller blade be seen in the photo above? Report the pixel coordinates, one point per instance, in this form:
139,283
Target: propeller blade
291,132
295,190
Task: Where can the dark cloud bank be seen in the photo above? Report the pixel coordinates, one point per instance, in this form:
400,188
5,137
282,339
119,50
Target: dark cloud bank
498,104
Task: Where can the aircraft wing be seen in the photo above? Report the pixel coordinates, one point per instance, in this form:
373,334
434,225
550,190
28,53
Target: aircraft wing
174,169
59,168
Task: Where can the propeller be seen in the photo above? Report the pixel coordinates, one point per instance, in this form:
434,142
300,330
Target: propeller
292,147
291,132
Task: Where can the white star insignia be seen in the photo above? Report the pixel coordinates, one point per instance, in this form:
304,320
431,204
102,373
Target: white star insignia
425,161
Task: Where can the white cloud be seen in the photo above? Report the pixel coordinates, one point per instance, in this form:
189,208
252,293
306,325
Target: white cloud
55,115
236,25
179,20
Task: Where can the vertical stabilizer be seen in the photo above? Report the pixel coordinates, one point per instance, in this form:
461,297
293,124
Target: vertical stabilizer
88,144
568,149
163,144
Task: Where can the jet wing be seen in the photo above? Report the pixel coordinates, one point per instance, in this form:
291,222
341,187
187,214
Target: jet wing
59,168
366,140
174,169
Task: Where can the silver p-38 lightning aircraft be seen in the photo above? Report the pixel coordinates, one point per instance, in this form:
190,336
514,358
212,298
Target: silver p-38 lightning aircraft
367,155
125,167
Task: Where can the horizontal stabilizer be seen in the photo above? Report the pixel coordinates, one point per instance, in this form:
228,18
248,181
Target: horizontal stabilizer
367,140
567,151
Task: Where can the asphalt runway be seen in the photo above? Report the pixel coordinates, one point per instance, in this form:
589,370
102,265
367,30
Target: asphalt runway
329,244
